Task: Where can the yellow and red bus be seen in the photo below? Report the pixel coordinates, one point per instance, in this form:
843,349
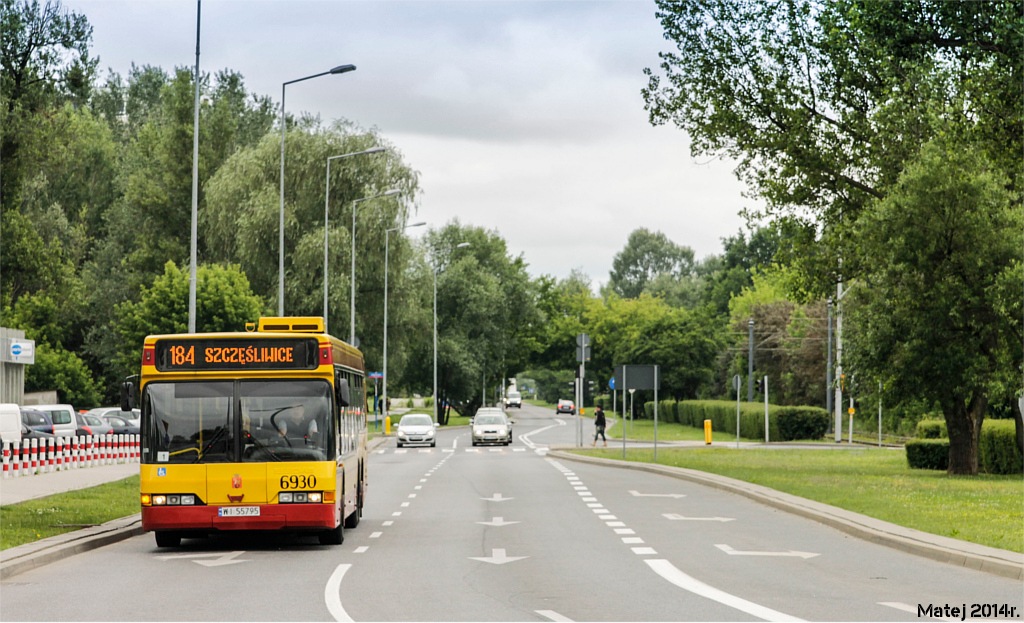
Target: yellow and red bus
256,430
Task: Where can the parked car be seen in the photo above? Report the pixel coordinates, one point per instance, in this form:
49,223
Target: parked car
29,433
122,426
10,423
37,420
566,406
514,399
491,426
101,412
416,428
63,418
91,425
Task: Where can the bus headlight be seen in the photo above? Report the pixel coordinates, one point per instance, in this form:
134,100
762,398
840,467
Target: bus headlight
159,500
315,498
188,500
284,498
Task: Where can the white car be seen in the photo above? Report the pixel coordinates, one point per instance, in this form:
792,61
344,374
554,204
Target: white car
63,417
416,428
514,399
491,426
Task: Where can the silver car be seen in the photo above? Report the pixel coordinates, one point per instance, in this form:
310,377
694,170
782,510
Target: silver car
416,428
491,426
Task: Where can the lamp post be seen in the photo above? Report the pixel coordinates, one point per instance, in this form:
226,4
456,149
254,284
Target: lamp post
340,69
352,279
327,199
195,187
461,245
387,233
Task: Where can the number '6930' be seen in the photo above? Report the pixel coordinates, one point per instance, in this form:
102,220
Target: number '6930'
298,482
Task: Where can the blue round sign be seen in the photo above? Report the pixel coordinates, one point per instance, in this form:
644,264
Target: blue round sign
611,383
16,349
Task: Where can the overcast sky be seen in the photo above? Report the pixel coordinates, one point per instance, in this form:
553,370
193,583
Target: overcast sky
523,117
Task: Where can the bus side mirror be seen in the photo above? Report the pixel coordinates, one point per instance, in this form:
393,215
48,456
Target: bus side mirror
127,396
344,398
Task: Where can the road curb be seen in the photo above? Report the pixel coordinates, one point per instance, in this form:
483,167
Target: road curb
943,549
39,553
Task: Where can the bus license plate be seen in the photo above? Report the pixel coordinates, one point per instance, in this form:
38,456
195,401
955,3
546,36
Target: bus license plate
238,511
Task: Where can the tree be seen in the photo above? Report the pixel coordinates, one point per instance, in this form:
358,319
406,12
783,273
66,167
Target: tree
822,104
937,316
646,255
224,302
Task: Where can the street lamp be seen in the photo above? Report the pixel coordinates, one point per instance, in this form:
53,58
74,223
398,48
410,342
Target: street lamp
461,245
340,69
352,295
327,196
387,233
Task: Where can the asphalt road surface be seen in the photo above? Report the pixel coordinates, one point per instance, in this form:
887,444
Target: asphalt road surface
457,533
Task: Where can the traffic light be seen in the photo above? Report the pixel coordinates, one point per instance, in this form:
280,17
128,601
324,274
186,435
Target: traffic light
591,386
759,385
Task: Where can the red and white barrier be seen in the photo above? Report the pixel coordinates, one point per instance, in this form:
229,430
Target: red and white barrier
40,456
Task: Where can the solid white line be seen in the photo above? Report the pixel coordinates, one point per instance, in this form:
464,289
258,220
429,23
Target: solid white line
551,614
668,571
332,594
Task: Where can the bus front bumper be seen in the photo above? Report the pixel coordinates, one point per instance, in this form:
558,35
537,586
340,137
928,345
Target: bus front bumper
271,517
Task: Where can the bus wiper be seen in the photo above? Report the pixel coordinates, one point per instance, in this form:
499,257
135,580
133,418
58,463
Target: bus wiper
216,437
260,445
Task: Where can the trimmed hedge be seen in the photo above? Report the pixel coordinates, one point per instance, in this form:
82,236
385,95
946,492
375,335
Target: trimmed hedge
932,429
928,454
998,449
722,414
801,422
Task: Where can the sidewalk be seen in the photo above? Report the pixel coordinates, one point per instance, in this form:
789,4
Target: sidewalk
23,488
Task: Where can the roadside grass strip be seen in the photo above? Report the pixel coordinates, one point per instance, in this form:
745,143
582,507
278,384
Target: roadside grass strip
985,509
33,520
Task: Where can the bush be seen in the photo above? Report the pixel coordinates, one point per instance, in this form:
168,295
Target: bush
928,453
667,411
801,422
998,449
932,429
722,414
428,401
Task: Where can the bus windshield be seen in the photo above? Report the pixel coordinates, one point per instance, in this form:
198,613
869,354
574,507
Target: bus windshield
208,422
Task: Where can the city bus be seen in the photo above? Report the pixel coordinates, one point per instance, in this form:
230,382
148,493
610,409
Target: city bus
257,430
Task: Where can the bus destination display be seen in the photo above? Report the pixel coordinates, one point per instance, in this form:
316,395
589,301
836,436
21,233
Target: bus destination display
237,354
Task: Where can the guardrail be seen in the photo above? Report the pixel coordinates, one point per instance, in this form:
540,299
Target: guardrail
41,456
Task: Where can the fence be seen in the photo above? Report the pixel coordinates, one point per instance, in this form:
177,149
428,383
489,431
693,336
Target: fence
41,456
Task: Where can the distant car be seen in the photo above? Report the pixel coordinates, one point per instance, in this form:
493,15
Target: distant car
63,418
122,426
101,412
514,399
566,406
91,425
37,420
491,426
416,428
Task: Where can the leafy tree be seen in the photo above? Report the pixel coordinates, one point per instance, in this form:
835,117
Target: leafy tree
64,371
939,317
224,302
646,255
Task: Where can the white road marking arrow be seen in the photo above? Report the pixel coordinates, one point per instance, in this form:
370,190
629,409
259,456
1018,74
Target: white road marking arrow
657,495
497,498
221,559
732,552
675,517
497,521
498,557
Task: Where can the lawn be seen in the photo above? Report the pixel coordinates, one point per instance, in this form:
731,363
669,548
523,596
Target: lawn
38,519
984,509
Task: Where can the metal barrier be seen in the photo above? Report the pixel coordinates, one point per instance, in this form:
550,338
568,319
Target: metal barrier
41,456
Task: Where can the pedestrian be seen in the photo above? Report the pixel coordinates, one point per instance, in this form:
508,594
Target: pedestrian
599,424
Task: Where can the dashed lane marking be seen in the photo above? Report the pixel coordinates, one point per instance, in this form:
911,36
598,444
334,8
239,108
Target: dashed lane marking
551,614
361,549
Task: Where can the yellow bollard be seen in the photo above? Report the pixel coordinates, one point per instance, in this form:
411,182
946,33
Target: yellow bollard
387,425
707,432
583,411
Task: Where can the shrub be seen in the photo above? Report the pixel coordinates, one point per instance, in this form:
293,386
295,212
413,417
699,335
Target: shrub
428,401
998,449
932,429
648,412
928,453
722,414
667,411
801,422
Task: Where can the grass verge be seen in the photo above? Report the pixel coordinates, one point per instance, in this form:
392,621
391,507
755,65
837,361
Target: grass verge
38,519
984,509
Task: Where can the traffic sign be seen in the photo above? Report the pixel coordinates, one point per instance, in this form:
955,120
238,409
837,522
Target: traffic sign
582,340
375,375
583,353
611,383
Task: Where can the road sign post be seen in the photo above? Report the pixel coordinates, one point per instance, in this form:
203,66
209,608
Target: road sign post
766,408
582,356
737,383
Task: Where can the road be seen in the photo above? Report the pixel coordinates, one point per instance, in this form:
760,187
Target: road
456,533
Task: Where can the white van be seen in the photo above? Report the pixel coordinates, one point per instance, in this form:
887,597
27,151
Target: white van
63,416
10,423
